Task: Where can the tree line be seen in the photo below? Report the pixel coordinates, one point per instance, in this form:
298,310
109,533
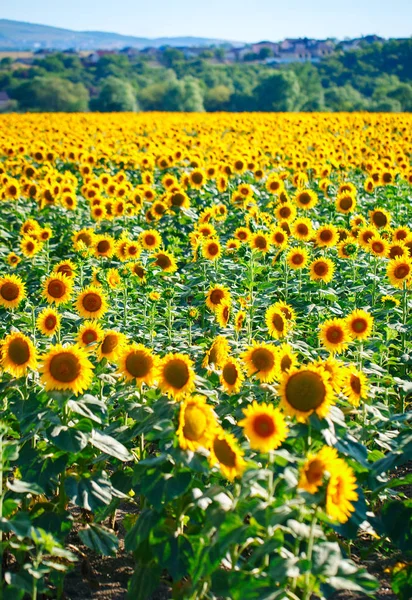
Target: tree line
376,77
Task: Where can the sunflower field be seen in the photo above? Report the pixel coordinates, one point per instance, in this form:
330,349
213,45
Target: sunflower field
205,354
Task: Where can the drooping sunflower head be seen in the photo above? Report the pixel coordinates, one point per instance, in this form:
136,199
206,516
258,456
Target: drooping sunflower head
165,261
306,390
222,314
341,492
354,385
216,295
197,423
176,375
18,354
66,368
12,291
113,278
217,353
264,426
286,357
276,322
313,471
231,377
225,451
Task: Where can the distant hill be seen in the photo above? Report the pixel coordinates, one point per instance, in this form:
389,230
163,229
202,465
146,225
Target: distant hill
17,35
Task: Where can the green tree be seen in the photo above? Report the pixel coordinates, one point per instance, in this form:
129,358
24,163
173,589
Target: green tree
345,98
116,95
51,94
217,98
279,92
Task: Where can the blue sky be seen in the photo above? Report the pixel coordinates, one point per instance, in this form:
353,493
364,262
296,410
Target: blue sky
243,20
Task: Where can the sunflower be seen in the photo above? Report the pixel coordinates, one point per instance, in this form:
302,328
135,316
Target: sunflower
379,246
347,250
91,303
45,234
89,333
30,226
327,236
286,357
225,451
397,250
231,377
354,385
306,199
401,234
138,270
83,238
264,426
197,178
399,272
302,229
243,234
177,199
279,238
65,267
359,324
211,249
113,278
216,295
341,492
223,314
111,345
345,203
176,376
138,363
260,241
217,353
197,423
276,322
312,473
104,246
322,269
12,291
48,321
12,259
297,258
30,246
232,244
380,218
390,301
239,320
274,184
334,369
150,239
285,309
165,261
306,390
66,368
57,289
365,235
334,335
285,212
17,354
261,360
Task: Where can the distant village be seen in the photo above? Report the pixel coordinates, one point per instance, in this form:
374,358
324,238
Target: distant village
290,50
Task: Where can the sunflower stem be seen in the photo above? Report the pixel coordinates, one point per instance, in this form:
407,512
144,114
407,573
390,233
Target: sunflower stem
308,587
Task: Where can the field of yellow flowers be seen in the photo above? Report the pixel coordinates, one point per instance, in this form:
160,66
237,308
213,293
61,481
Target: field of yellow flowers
205,352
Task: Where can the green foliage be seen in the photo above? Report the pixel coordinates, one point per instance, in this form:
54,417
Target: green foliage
116,95
51,94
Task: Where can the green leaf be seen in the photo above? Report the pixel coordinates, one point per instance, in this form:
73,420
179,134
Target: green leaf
23,487
100,539
144,581
402,582
69,439
140,531
110,446
89,492
326,558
